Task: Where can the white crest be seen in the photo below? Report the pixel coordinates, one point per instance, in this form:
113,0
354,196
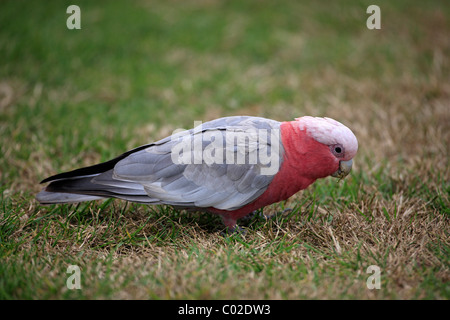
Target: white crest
330,132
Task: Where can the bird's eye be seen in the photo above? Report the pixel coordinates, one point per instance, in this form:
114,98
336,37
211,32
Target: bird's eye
337,150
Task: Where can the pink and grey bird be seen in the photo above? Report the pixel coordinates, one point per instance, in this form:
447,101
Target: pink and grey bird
229,166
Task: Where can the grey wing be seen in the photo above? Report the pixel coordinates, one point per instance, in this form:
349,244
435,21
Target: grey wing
221,164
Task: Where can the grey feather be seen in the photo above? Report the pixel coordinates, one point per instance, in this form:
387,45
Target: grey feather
149,174
46,197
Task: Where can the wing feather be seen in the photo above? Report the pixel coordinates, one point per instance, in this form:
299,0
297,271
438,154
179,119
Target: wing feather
219,184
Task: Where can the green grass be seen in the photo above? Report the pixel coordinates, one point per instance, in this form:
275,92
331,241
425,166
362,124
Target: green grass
138,70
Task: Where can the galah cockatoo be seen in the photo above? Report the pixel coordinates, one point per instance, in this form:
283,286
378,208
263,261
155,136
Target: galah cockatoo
230,166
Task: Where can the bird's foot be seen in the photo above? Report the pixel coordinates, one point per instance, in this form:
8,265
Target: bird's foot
277,214
233,231
251,215
259,213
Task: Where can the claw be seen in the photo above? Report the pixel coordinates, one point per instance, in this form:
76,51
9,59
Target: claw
251,215
234,230
276,214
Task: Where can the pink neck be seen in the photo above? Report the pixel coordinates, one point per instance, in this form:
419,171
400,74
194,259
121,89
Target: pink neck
304,161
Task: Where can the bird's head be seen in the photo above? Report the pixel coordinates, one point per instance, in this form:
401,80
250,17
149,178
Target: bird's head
336,145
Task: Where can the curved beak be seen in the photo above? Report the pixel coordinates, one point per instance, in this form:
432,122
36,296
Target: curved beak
344,169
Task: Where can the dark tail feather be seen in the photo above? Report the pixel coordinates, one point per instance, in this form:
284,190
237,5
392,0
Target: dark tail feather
95,169
92,183
86,188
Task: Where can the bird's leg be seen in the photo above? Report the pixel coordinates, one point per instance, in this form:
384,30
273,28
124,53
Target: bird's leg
231,226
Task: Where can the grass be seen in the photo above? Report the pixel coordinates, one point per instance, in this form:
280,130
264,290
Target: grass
138,70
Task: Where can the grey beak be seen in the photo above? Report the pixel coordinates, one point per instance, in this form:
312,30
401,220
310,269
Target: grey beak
344,169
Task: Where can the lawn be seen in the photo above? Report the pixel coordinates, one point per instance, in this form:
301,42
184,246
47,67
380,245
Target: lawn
138,70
